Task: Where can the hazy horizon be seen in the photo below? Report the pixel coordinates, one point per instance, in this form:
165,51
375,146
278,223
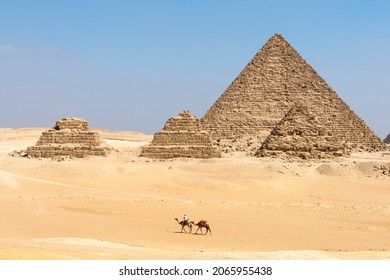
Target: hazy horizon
130,65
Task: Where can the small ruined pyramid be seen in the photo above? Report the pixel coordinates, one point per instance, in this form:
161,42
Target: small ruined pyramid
300,134
182,136
387,139
69,137
276,78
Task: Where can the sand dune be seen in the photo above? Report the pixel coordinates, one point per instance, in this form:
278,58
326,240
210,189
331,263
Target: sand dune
123,206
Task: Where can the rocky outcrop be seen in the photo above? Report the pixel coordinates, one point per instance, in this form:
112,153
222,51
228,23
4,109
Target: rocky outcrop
387,139
300,134
273,81
182,136
69,137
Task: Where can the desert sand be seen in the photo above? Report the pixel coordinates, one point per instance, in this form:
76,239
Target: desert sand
123,206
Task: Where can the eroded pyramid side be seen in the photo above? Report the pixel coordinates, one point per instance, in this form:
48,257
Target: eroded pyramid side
300,134
387,139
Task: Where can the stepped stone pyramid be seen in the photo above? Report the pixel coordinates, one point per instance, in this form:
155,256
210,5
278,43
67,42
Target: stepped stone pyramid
387,139
69,137
276,78
301,134
182,136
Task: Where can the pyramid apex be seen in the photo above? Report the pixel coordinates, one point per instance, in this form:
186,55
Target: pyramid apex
277,37
185,113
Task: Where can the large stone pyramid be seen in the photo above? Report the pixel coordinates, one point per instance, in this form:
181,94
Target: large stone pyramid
182,136
69,137
300,134
276,78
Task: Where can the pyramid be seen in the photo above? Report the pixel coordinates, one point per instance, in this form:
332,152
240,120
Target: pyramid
69,137
301,134
182,136
276,78
387,139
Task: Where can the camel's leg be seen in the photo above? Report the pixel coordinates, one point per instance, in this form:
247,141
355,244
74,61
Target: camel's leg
198,229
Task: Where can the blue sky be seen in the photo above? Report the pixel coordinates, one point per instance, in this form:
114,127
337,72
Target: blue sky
130,65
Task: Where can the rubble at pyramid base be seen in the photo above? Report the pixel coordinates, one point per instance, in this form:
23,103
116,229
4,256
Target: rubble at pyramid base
303,151
165,152
71,150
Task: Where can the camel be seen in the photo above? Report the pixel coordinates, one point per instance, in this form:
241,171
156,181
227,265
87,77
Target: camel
188,224
203,224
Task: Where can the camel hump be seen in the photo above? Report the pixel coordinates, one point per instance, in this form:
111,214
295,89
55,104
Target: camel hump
203,223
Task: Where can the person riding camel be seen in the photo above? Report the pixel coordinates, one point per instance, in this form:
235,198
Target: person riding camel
185,220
